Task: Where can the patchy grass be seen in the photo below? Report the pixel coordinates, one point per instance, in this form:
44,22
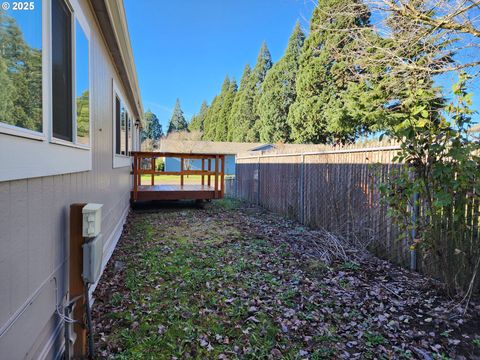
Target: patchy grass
225,282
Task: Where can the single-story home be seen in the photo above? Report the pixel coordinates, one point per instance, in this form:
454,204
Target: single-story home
229,149
475,130
70,113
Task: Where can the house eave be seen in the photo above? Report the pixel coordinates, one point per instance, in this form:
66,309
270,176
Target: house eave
111,19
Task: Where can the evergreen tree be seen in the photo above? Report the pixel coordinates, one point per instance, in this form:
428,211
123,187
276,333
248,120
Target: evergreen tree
208,126
246,116
380,100
232,124
321,80
279,92
177,121
214,120
197,122
154,129
221,133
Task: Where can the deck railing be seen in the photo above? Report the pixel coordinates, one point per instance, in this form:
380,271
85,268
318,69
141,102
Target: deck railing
217,161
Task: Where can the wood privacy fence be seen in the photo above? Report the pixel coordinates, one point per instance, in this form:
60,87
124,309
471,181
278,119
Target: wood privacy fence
338,190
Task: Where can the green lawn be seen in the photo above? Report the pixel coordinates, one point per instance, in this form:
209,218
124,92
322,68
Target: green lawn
229,282
196,288
173,179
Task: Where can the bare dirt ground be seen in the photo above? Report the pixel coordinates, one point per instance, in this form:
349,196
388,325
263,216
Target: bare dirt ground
232,281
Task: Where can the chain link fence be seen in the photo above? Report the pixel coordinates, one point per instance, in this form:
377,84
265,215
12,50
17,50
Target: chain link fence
337,190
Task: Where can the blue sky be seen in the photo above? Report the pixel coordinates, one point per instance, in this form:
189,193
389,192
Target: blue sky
185,48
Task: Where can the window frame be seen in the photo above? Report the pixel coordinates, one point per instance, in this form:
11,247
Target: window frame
119,160
13,130
26,153
76,15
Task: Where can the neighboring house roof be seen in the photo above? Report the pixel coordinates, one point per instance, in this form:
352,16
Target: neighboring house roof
205,147
113,24
264,147
475,129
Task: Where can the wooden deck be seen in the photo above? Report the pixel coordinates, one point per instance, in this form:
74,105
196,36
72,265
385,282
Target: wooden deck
175,192
211,185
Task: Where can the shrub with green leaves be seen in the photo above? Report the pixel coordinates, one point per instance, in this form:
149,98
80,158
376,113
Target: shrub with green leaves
441,180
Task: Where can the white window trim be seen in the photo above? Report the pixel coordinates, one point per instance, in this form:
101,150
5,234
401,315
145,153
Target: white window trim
80,17
118,159
27,133
76,15
27,154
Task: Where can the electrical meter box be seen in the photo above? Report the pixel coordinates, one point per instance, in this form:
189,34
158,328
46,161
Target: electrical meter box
92,220
92,259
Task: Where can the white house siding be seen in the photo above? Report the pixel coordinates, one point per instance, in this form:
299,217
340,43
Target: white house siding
34,226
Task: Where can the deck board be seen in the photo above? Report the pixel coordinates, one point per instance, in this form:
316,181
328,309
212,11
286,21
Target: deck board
175,192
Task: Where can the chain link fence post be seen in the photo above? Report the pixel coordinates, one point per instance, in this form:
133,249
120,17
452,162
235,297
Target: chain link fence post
302,190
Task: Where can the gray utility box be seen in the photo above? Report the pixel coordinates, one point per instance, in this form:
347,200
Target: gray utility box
92,259
92,220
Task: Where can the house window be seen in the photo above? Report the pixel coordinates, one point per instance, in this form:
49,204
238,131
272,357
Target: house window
129,134
45,89
70,79
82,88
21,68
117,125
123,128
62,71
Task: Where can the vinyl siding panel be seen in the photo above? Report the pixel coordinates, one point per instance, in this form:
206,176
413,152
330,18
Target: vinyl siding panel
34,225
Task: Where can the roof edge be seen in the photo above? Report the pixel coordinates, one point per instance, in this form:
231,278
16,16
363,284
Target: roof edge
112,21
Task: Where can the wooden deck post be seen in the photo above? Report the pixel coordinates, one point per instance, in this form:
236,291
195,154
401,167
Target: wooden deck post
209,169
139,166
135,182
203,169
152,166
76,284
181,171
222,177
216,175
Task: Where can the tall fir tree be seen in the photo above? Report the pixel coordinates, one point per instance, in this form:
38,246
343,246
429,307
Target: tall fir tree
197,122
208,122
279,92
232,118
379,101
246,116
213,114
177,121
321,80
221,133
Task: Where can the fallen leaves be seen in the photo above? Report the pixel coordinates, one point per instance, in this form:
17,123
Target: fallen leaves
243,283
